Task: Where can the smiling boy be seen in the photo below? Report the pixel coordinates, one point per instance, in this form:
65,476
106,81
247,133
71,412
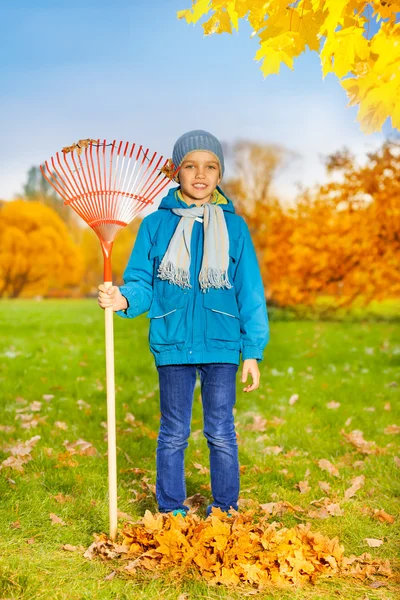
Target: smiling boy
194,268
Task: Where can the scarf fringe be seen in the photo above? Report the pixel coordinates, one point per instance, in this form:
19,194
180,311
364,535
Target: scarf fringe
177,276
212,277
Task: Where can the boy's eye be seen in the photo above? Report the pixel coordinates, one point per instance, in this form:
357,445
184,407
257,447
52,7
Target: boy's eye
211,166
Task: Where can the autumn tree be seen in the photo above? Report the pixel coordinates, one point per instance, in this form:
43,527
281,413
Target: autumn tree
37,189
255,166
341,240
367,64
36,250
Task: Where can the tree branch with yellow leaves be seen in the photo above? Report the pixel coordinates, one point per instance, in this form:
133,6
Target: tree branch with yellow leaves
368,68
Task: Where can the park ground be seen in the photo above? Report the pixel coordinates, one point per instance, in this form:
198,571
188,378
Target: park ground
320,381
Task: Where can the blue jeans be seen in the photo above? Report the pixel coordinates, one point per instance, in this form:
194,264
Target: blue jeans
218,393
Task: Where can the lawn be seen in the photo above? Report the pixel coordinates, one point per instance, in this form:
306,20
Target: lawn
320,380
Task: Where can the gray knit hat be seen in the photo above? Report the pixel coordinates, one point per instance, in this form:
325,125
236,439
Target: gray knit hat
197,140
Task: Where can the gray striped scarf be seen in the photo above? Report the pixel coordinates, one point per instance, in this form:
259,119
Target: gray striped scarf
175,265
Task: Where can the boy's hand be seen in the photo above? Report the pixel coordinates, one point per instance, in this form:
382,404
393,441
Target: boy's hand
250,365
111,297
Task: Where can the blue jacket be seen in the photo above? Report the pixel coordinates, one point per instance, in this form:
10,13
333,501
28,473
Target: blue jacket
188,325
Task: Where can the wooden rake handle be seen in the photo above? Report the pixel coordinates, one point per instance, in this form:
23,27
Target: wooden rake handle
111,428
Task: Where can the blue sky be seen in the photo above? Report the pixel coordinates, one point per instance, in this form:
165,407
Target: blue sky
133,71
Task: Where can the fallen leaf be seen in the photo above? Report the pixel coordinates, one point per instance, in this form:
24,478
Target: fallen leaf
61,425
373,543
13,462
124,515
196,501
16,524
377,584
47,397
7,428
303,487
383,516
83,405
356,438
70,548
259,424
326,465
325,486
80,447
61,499
110,576
357,483
333,404
272,450
202,470
151,523
55,520
392,429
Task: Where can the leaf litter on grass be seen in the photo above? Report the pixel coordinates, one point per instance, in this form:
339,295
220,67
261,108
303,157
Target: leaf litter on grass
241,550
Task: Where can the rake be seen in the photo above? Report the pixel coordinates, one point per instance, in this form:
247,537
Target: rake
108,184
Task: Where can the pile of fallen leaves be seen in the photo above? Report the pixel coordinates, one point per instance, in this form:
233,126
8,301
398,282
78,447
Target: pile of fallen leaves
233,551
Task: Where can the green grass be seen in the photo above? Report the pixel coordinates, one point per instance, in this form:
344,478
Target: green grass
57,348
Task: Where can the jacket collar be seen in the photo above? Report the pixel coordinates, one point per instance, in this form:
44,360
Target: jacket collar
172,201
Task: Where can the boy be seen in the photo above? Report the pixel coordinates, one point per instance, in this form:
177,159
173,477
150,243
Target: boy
194,268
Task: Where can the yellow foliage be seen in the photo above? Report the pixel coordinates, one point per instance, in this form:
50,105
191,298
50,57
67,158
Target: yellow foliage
370,63
341,240
36,250
244,549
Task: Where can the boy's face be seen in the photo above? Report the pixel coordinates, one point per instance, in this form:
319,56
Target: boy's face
199,175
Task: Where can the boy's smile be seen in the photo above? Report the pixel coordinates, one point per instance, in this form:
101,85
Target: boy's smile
199,175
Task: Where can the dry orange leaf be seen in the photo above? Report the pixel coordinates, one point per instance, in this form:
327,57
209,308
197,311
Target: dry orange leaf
392,429
326,465
356,438
303,487
55,520
79,146
358,483
383,516
239,550
70,548
202,470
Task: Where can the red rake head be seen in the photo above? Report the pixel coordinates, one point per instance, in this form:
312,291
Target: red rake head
107,184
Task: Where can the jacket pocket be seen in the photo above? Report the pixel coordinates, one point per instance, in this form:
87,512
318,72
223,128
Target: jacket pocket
166,316
222,316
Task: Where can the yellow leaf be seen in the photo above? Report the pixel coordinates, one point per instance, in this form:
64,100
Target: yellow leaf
276,50
198,10
152,524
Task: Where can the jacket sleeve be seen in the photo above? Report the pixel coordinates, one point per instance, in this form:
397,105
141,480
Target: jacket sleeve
254,325
138,276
